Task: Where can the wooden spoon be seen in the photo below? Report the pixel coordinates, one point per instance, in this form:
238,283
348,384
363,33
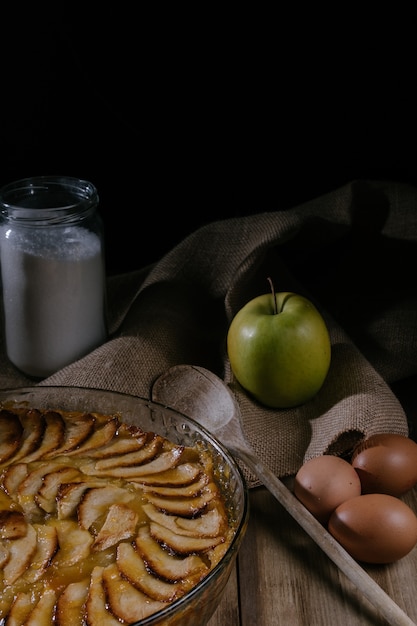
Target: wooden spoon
198,393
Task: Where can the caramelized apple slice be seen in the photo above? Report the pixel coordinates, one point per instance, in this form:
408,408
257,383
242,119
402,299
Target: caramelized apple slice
13,477
125,601
163,563
29,487
182,474
211,524
181,544
21,552
70,495
74,543
46,548
48,491
42,614
187,507
20,609
12,524
70,605
121,442
33,428
189,491
10,434
96,501
133,569
96,603
97,440
166,460
146,453
77,430
120,524
53,436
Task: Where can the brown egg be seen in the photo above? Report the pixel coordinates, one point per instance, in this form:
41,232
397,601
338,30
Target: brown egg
386,463
323,483
374,528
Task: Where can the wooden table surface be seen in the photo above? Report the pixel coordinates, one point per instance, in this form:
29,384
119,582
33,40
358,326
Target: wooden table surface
283,578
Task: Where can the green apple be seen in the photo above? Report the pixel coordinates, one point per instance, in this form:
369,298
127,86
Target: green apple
279,349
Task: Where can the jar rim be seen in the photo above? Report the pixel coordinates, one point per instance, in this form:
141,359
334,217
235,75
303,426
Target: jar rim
51,198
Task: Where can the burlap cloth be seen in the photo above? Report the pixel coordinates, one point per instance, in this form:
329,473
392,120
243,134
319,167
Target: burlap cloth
352,251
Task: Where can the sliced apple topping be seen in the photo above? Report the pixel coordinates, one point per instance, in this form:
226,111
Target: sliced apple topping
96,501
10,434
125,601
133,569
12,524
164,563
181,475
120,524
97,613
20,609
182,544
42,614
46,548
164,461
53,436
46,496
70,605
33,425
211,524
101,522
77,430
21,551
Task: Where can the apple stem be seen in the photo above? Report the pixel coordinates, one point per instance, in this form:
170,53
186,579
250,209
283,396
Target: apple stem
271,284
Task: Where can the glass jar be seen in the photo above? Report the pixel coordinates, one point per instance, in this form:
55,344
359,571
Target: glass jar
53,272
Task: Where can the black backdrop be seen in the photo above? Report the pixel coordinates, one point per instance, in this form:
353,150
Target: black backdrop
187,116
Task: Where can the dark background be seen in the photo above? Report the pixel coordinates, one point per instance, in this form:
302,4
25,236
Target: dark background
185,116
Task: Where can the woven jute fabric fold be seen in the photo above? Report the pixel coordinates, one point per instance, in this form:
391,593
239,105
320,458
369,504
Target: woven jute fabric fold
350,251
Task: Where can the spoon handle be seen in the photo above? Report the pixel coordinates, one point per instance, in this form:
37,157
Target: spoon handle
357,575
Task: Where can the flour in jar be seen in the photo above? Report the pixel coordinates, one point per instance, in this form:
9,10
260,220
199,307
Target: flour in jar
53,295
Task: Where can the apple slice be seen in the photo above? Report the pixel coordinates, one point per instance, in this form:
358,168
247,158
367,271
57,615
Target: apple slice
13,477
70,604
190,490
163,563
29,487
144,454
10,435
21,552
122,441
46,548
20,609
74,543
187,507
134,570
96,501
120,524
97,613
33,426
46,496
12,524
182,544
77,430
98,440
70,495
125,601
53,437
211,524
166,460
182,474
42,614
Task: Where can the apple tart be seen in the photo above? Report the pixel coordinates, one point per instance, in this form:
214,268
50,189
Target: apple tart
101,522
